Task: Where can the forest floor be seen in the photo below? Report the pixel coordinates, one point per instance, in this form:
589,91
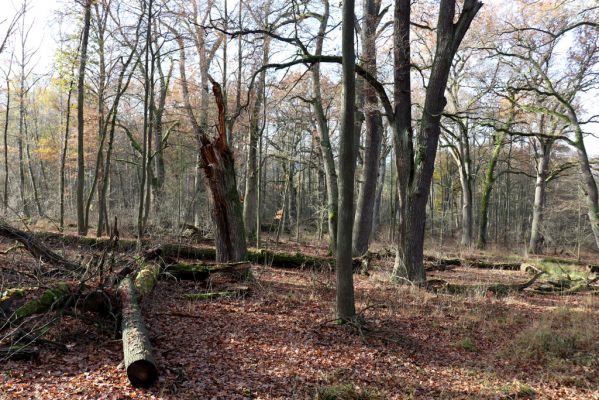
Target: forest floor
281,342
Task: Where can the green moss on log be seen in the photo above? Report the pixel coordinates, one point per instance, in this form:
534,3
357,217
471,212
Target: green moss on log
48,299
199,272
146,278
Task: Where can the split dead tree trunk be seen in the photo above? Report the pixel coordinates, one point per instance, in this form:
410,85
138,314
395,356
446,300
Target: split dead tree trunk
219,170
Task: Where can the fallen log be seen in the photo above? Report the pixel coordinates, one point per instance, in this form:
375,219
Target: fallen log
146,278
103,243
36,247
200,272
18,353
481,264
169,253
499,289
234,291
440,263
51,298
137,350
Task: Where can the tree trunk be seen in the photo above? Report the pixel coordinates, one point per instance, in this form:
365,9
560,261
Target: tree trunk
465,169
324,139
63,157
81,225
219,167
346,308
255,131
362,226
415,166
486,193
535,245
590,185
6,122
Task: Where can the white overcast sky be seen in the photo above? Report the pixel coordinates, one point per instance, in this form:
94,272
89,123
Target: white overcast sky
44,34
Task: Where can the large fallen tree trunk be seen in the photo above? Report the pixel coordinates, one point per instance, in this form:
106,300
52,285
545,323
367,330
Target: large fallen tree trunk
200,272
137,350
499,289
169,253
433,263
103,243
36,247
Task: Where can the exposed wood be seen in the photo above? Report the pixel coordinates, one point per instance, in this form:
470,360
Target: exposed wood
137,350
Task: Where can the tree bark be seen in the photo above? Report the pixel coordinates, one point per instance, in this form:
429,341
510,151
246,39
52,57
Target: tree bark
250,196
535,245
415,165
137,350
362,226
344,274
81,225
486,192
324,139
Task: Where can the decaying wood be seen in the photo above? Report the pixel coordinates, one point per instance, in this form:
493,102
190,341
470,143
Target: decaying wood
199,272
439,263
51,298
146,278
169,253
500,289
36,247
91,242
137,350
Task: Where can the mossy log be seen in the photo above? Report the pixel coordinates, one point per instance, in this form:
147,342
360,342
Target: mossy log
36,247
234,291
499,289
171,252
146,278
481,264
51,298
433,263
200,272
137,350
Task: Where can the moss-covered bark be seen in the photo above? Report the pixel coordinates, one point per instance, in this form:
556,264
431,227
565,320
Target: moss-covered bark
146,278
51,298
199,272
